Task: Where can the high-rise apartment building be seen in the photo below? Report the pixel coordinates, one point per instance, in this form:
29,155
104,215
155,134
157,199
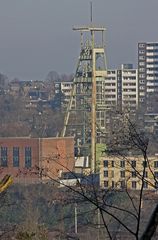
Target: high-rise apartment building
121,95
121,88
111,89
129,80
148,76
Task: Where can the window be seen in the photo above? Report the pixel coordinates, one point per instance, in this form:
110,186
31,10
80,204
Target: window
145,164
146,174
105,163
146,185
142,88
102,123
15,156
122,174
28,157
133,174
156,164
112,163
112,184
141,75
122,163
112,174
4,157
122,184
105,173
141,51
134,184
152,63
133,163
141,69
141,45
141,63
106,183
156,174
142,81
156,185
141,57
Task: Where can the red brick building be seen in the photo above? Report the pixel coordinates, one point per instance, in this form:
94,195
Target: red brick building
33,159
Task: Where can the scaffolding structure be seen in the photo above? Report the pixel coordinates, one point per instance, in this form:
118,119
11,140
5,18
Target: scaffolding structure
86,111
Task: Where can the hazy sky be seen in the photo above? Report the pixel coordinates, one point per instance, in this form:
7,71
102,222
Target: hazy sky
36,35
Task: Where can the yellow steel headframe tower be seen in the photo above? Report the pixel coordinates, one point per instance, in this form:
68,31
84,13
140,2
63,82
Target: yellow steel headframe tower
85,115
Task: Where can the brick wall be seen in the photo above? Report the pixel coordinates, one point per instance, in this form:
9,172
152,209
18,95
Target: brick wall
57,155
20,172
54,155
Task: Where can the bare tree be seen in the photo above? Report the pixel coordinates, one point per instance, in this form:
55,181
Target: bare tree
52,76
120,210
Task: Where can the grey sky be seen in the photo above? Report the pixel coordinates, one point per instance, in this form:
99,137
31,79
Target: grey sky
36,35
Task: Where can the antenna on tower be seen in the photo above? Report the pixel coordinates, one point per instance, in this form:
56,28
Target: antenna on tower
91,12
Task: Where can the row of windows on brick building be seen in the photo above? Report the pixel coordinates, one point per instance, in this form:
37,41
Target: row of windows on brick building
16,157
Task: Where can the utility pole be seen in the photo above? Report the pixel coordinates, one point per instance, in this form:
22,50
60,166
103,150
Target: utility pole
98,224
76,228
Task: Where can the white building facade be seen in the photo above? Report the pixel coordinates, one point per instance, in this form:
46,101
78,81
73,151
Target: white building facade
148,75
121,88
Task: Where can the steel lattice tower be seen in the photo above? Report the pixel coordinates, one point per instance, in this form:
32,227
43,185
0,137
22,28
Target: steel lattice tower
85,115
